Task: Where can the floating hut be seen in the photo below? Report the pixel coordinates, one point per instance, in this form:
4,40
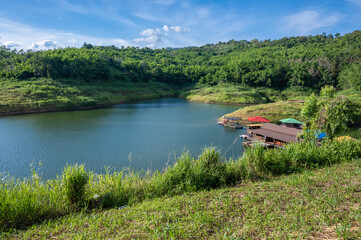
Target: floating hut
272,135
232,122
259,119
290,122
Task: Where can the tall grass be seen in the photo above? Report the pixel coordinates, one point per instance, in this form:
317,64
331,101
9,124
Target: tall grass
23,202
74,180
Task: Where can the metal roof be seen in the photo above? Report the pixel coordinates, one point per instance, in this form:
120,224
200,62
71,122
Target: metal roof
282,133
258,119
290,120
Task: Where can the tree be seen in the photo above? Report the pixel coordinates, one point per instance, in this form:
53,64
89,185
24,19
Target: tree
351,77
87,46
338,113
328,113
328,92
310,108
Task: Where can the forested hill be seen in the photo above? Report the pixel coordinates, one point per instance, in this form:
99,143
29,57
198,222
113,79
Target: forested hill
310,61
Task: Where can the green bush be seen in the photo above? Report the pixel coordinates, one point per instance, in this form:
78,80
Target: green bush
208,170
74,180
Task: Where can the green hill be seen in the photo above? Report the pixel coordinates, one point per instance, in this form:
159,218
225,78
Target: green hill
99,75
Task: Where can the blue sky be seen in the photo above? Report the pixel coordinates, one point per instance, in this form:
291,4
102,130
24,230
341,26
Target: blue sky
40,24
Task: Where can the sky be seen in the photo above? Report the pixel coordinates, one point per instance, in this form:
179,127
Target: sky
48,24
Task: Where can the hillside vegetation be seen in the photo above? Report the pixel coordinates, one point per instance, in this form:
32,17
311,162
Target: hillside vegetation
98,75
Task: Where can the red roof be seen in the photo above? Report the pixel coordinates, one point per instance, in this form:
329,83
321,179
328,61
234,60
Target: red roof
258,119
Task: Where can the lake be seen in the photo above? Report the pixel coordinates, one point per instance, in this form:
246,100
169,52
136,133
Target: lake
144,135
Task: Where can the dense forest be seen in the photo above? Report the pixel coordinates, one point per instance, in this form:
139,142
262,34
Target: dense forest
305,61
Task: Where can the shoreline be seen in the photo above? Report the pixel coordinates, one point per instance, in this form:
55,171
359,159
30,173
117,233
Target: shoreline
46,110
55,109
224,103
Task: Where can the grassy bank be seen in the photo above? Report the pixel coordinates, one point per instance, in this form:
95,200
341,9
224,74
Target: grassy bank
44,94
292,108
272,111
322,204
29,201
240,94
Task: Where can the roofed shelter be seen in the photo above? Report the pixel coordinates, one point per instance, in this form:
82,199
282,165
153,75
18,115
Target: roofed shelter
275,135
258,119
290,122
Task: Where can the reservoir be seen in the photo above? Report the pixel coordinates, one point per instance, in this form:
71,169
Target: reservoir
144,135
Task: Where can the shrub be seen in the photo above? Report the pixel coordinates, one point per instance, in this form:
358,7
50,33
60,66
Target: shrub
209,169
74,180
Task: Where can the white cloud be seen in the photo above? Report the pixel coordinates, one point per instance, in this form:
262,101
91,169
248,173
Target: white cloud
11,44
43,44
28,37
150,39
153,36
306,21
176,28
156,35
165,28
150,32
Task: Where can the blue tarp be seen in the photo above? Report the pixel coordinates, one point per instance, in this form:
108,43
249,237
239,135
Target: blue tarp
321,135
318,134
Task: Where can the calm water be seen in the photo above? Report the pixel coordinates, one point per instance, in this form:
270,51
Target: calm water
144,135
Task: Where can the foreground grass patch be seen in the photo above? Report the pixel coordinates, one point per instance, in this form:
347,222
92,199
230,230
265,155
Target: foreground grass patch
29,201
320,204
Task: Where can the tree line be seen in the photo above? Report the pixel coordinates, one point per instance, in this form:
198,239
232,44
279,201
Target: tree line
308,61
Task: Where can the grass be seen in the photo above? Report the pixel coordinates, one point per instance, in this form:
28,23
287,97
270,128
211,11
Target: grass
272,111
32,201
292,109
240,94
322,204
44,94
74,180
230,93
